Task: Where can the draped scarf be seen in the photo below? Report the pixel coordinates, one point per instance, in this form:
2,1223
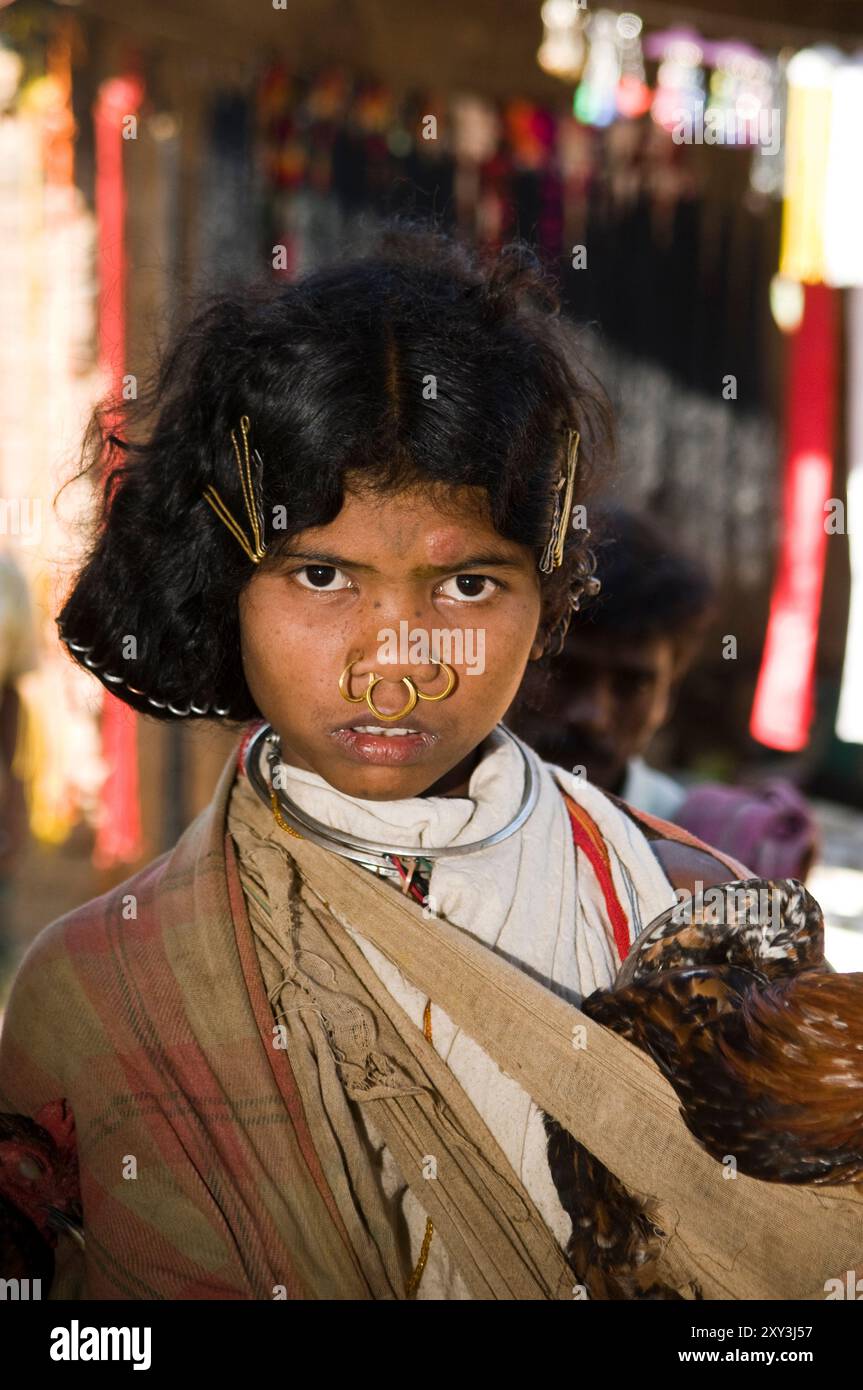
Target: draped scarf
523,896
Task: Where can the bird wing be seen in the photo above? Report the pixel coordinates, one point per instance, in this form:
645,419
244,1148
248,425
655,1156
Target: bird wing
772,926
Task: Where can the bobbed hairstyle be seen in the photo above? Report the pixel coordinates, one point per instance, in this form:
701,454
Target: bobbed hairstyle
334,372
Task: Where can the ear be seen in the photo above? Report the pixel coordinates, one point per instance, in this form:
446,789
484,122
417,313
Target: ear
536,650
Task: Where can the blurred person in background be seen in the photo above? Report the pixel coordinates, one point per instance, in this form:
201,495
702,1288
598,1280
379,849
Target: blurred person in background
615,683
615,686
17,657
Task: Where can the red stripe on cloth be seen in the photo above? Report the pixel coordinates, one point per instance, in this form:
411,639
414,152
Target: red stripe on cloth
244,743
589,840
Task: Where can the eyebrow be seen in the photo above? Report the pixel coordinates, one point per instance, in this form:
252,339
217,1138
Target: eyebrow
468,562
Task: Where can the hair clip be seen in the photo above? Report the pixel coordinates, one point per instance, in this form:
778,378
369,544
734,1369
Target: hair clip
254,548
553,554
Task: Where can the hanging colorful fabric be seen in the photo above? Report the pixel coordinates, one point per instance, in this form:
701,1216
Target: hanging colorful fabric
767,171
843,191
595,99
49,383
476,132
849,720
783,708
679,97
562,49
843,252
118,838
740,89
228,193
633,94
809,75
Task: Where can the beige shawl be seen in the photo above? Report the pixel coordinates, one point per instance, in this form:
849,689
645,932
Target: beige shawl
350,1044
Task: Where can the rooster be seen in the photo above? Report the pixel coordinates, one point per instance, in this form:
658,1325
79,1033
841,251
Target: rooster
39,1195
763,1044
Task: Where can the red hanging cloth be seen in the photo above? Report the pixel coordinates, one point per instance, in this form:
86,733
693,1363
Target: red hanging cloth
784,697
118,838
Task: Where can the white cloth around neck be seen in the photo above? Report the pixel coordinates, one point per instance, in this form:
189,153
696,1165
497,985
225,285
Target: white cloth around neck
529,876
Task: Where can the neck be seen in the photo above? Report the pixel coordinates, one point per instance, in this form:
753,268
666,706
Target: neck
456,782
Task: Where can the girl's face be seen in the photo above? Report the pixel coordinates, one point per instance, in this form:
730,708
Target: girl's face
388,584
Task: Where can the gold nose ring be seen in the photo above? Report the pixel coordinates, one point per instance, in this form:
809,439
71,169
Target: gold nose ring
367,694
354,699
450,673
413,693
412,698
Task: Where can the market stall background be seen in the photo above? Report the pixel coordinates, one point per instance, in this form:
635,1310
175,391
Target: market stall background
153,151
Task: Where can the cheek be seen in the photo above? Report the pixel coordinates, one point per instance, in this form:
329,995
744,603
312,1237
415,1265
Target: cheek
662,697
524,624
255,635
507,639
246,616
289,655
652,707
271,645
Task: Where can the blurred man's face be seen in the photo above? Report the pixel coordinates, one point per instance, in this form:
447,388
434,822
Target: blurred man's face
606,699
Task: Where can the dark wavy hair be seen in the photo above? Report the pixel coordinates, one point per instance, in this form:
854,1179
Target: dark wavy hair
330,371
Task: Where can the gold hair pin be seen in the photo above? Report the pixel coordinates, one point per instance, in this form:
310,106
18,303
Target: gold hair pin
553,554
255,548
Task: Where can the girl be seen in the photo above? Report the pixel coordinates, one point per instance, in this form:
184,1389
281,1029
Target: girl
288,1057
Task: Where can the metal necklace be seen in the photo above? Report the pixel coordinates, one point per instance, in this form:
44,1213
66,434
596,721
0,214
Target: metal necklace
374,854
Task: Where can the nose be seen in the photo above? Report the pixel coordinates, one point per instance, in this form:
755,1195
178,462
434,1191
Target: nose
391,692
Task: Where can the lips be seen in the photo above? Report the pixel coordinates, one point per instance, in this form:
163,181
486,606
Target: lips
394,730
367,721
384,745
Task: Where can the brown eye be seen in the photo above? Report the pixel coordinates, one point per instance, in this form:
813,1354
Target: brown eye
321,577
472,586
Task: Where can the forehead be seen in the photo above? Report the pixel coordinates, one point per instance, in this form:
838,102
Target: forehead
614,652
437,526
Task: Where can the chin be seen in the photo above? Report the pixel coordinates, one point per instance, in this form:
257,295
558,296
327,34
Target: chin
380,783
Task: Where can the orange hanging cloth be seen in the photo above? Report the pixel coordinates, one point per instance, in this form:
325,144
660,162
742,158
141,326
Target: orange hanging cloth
119,837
